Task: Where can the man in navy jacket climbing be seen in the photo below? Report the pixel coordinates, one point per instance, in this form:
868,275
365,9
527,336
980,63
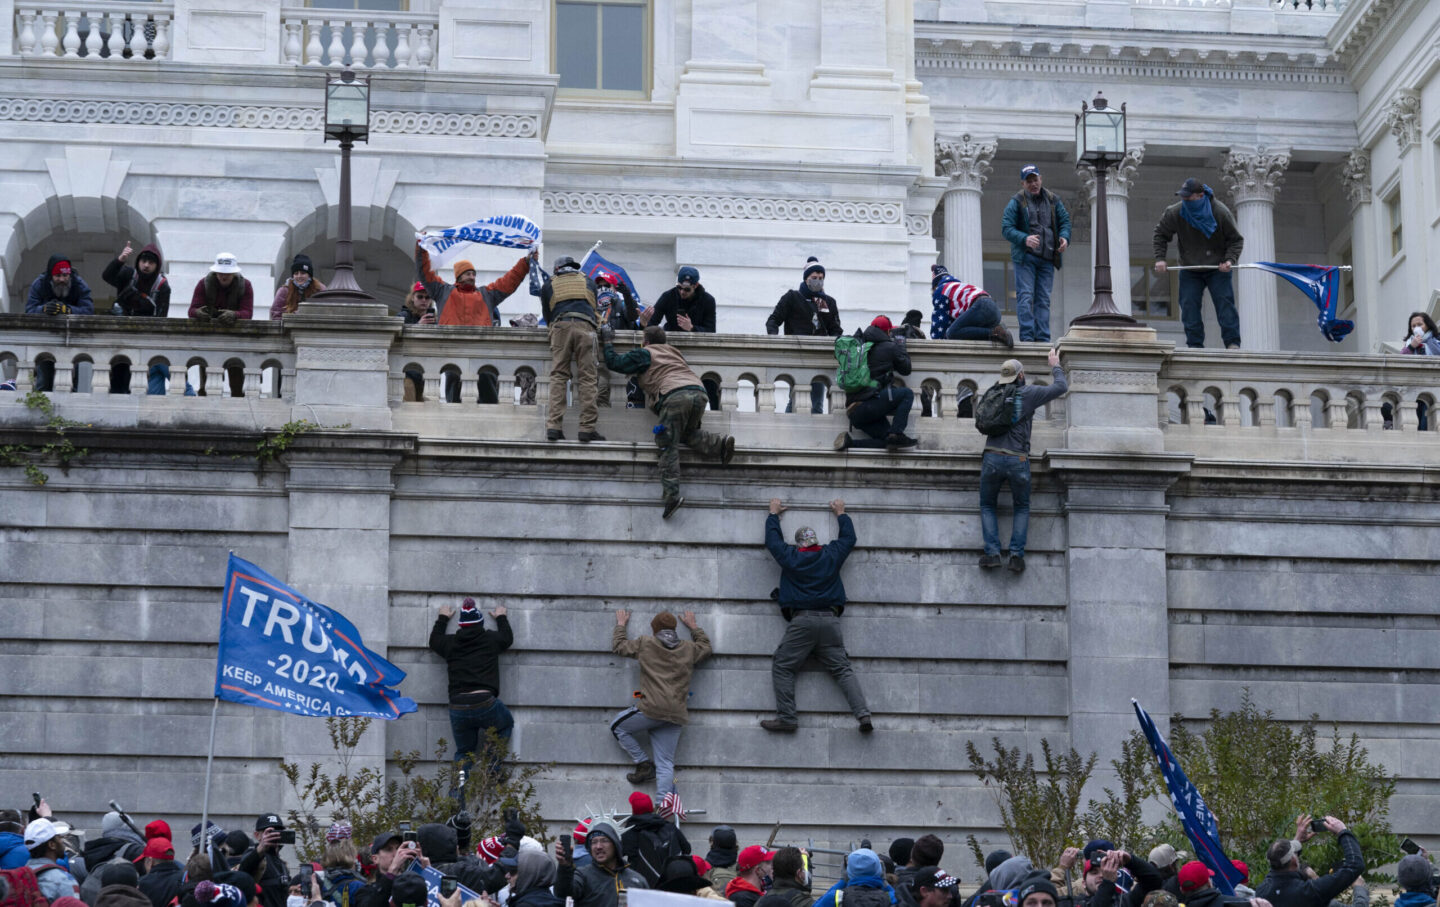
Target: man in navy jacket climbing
812,598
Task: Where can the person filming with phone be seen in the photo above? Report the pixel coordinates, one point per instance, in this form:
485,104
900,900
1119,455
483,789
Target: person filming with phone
262,861
1287,885
393,852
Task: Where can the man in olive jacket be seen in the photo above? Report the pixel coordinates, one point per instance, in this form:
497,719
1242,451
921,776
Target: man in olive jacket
666,665
1206,233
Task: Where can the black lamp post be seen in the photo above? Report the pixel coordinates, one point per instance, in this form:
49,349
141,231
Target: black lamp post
347,120
1100,142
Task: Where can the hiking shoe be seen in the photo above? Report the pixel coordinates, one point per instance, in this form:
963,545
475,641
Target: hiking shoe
896,442
671,507
644,771
990,560
1017,563
587,436
865,726
842,441
781,727
554,434
1000,335
727,450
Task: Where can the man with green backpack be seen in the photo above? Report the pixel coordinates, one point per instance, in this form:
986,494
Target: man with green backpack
1004,414
866,364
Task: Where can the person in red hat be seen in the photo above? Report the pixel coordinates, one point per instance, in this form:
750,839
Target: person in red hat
160,876
881,410
755,870
650,843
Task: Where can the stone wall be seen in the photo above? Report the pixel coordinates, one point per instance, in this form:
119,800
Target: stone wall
1178,563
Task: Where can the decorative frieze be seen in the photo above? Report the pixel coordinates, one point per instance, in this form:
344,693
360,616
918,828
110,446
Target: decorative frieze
1402,115
1355,176
965,161
917,224
634,204
1182,62
1254,174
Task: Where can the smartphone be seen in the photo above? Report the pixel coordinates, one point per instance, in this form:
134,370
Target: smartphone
1317,824
410,837
567,844
37,798
448,886
287,836
1409,846
303,875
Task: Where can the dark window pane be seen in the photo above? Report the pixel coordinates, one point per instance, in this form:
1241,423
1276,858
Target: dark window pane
994,281
576,47
622,47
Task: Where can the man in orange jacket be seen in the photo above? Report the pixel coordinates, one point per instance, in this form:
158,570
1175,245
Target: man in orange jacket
463,302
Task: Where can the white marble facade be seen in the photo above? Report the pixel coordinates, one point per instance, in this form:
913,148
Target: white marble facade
877,135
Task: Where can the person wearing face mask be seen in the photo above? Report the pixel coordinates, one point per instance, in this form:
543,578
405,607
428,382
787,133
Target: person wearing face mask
807,312
300,287
1206,233
756,870
464,302
1421,340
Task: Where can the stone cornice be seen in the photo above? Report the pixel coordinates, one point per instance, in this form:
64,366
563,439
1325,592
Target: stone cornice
1048,52
561,168
655,204
1359,22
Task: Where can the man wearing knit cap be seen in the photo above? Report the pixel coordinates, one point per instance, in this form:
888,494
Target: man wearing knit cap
59,291
472,663
667,663
650,842
463,303
807,312
1416,876
812,598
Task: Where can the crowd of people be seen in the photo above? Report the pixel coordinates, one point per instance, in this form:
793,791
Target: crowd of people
606,856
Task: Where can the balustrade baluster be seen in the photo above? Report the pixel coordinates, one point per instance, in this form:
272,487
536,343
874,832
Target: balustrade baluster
1336,410
359,56
1373,420
292,42
217,383
64,376
161,43
505,392
337,43
99,379
49,40
402,46
469,389
115,44
425,51
314,50
137,36
93,41
765,397
433,395
71,43
28,40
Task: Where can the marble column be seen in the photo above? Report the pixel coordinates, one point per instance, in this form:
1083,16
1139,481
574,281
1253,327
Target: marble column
965,162
1254,177
1409,281
1118,181
1355,178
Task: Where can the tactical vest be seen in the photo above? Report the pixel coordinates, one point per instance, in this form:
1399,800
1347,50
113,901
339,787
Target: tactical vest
571,297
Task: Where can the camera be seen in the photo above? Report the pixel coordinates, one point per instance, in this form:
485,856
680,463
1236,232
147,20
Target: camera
448,886
1317,824
287,836
410,837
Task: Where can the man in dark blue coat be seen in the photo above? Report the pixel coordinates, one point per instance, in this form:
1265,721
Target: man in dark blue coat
812,598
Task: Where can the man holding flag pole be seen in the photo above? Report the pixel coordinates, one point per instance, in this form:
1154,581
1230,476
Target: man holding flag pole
1206,233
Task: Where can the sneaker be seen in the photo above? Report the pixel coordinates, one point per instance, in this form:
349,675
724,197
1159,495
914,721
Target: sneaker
644,771
990,560
727,450
842,441
1232,346
865,726
554,434
1000,335
587,436
897,442
1017,563
671,507
780,727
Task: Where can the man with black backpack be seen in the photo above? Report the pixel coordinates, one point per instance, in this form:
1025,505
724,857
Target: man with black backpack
867,362
1004,414
650,842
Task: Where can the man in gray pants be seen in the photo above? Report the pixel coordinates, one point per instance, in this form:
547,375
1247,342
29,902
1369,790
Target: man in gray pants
666,665
812,598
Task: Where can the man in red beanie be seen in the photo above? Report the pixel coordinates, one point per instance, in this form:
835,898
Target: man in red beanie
667,663
650,842
880,410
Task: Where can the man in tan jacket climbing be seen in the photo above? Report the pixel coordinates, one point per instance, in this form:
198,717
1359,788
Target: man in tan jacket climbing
666,665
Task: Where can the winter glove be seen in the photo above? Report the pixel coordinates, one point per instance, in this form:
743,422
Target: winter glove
56,308
514,828
204,314
227,318
461,822
607,334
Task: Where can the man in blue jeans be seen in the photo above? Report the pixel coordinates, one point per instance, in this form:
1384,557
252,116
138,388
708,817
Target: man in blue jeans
969,311
1208,238
472,661
1038,228
1007,459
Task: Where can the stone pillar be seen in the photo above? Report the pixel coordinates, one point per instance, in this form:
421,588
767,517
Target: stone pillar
1254,177
1115,473
965,162
1355,178
853,49
724,43
1118,180
342,363
1402,115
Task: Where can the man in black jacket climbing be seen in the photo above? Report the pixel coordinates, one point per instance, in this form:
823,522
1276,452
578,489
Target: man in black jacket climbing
472,660
881,412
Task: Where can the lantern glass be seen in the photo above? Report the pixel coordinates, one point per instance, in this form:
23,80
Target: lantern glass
1104,131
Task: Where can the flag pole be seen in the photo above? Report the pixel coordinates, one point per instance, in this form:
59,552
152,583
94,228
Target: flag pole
209,763
1244,265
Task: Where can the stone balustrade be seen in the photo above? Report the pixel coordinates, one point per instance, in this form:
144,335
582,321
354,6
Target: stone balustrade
97,30
363,40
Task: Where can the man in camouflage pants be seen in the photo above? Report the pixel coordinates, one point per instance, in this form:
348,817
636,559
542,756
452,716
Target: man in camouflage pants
676,393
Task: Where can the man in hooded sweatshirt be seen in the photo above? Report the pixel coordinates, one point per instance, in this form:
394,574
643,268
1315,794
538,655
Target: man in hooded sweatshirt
535,873
160,876
300,286
472,663
667,663
812,598
864,884
650,842
599,884
1206,232
13,853
59,291
724,850
142,291
882,412
807,312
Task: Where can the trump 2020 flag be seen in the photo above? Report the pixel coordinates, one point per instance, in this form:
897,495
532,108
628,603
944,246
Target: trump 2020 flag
433,878
1195,816
595,266
280,650
1320,283
513,231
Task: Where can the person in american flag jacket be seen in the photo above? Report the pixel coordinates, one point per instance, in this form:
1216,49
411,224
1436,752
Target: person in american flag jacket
963,311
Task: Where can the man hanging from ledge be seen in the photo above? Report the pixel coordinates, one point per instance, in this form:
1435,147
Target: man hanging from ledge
674,392
463,303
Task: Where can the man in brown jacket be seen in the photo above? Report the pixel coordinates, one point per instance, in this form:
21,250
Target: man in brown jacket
666,664
677,395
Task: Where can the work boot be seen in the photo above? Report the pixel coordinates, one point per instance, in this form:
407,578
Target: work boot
896,442
781,727
1017,563
587,436
990,560
842,441
727,450
865,726
644,771
1000,335
671,506
554,434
